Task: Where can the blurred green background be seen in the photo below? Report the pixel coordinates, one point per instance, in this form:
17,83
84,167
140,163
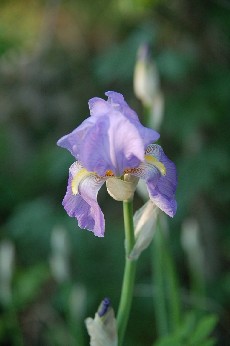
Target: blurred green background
55,56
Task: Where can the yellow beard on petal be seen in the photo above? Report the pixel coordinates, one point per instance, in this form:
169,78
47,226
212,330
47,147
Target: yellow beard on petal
159,165
83,173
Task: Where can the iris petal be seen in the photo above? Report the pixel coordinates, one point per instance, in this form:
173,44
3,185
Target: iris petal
118,102
163,193
98,106
83,206
112,144
161,187
75,139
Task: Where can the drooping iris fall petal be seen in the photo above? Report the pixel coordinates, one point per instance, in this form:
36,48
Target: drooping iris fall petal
162,190
80,200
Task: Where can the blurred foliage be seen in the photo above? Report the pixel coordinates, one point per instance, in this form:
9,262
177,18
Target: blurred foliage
54,56
192,332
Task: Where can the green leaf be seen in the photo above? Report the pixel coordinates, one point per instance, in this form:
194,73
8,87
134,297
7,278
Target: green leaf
209,342
172,340
203,329
192,332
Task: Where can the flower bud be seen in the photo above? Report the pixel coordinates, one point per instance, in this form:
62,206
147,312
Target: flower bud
146,79
144,222
102,329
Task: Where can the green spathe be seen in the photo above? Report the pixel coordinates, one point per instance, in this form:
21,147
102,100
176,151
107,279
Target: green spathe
144,228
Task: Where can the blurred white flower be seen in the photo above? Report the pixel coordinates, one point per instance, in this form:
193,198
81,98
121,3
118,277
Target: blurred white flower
77,301
6,270
146,79
146,85
191,243
59,260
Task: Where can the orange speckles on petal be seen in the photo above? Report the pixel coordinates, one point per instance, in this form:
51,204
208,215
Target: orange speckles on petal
136,170
109,173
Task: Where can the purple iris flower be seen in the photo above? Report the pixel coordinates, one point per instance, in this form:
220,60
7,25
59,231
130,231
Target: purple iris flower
113,143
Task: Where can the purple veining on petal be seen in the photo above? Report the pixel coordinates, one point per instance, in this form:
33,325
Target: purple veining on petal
84,206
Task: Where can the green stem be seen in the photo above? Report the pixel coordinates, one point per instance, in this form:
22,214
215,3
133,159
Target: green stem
129,273
167,299
173,296
159,285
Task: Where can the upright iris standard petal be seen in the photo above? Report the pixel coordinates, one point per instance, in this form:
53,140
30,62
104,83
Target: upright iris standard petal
118,102
111,139
98,106
74,139
118,146
80,200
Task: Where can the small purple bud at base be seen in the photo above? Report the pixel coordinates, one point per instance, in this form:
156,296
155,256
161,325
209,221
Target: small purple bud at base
103,308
